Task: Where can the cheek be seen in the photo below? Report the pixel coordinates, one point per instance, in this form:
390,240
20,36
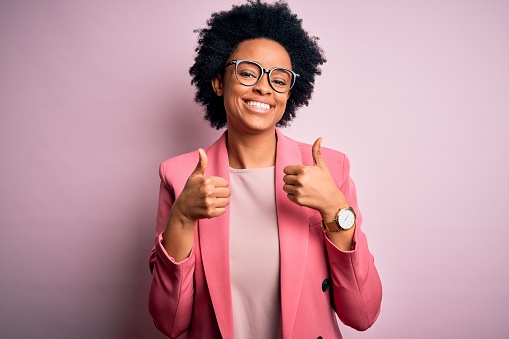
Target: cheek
231,91
231,103
283,102
283,106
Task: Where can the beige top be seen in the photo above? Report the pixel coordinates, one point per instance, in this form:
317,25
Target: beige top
254,254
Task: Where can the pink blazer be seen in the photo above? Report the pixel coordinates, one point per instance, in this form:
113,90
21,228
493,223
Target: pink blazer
194,297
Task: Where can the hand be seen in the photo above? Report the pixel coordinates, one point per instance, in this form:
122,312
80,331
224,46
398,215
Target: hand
313,186
202,196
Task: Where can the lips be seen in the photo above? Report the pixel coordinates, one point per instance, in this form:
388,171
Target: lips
258,104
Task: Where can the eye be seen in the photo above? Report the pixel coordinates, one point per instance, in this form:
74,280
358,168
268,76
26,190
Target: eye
279,82
248,71
246,74
280,77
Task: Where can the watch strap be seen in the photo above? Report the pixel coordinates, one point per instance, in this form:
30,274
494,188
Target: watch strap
334,225
331,226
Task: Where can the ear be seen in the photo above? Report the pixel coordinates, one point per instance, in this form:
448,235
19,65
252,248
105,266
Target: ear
217,85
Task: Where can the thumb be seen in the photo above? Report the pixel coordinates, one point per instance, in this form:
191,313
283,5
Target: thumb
317,154
202,163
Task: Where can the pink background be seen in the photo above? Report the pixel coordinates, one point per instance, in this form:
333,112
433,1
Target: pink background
95,94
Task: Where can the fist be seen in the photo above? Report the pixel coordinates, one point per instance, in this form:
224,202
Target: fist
313,186
203,196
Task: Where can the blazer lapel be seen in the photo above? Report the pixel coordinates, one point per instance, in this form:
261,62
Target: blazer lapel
293,235
293,226
214,236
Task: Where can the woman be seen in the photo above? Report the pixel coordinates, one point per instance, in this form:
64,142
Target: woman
258,236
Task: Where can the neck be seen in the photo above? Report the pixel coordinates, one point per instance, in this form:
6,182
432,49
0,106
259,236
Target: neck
252,150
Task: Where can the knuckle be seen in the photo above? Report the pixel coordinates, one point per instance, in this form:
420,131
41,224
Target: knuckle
206,190
209,201
303,170
300,181
202,191
210,211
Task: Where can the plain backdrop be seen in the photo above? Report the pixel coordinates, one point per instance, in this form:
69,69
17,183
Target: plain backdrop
95,94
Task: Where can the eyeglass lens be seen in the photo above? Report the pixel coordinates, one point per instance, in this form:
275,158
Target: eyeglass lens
249,73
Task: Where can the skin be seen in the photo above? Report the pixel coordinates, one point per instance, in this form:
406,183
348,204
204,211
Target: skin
251,143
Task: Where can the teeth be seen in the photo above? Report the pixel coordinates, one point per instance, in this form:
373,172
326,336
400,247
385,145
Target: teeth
258,104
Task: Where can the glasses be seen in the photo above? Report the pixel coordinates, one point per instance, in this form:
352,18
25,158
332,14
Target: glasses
249,73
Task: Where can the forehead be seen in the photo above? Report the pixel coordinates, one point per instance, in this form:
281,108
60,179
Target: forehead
266,52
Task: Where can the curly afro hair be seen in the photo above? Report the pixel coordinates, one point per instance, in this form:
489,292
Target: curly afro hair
252,20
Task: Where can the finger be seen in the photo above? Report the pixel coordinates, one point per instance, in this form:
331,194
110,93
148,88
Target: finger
222,192
290,189
292,198
217,212
290,179
202,163
317,154
218,181
222,202
292,169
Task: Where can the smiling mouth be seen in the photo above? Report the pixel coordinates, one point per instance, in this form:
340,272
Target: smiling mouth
257,104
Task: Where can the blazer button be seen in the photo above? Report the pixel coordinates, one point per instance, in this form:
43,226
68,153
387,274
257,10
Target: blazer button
325,285
320,337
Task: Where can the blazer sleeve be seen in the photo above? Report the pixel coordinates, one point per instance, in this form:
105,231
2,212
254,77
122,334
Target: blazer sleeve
356,286
171,292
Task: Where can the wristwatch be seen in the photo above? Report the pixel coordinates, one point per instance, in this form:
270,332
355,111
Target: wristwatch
345,219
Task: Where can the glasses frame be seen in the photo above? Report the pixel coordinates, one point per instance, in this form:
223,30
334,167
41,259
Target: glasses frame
268,71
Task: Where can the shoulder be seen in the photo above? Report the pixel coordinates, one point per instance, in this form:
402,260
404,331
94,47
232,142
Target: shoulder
331,156
181,160
178,166
337,162
327,153
177,169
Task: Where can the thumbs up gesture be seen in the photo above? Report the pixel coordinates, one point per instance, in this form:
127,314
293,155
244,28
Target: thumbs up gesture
203,196
313,186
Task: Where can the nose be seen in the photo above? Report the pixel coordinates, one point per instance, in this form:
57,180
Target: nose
263,86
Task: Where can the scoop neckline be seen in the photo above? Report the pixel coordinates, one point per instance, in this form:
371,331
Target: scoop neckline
253,169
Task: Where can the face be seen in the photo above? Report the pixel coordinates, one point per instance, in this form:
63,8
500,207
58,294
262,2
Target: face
253,109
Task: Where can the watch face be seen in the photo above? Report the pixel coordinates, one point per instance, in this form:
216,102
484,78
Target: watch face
346,218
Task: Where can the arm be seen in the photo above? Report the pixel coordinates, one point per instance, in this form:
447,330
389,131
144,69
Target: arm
171,290
356,286
172,261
